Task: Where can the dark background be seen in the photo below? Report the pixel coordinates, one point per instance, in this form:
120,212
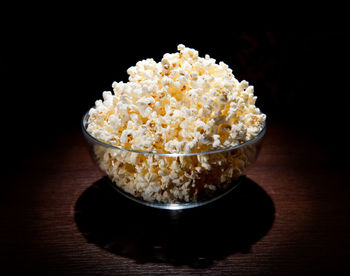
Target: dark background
50,77
51,74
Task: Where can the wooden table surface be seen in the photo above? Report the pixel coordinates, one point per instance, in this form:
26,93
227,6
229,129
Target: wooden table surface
290,216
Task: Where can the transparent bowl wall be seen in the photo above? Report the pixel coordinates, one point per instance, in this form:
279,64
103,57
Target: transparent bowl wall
173,180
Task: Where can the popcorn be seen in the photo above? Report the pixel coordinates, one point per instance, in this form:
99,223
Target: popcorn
183,104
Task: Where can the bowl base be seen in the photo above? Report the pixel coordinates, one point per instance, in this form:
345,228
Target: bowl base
179,206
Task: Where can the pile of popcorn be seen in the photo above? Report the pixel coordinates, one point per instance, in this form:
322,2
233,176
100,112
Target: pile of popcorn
183,104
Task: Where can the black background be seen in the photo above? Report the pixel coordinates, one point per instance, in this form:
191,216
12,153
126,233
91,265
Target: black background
51,76
52,71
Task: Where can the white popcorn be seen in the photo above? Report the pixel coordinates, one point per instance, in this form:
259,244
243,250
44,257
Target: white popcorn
180,47
183,104
217,141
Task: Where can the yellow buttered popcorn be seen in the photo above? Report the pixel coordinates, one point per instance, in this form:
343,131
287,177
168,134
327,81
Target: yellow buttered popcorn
182,104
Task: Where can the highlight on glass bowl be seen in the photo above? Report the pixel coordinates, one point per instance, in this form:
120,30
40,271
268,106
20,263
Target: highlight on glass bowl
178,134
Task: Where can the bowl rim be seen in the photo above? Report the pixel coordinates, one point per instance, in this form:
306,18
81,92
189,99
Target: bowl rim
89,137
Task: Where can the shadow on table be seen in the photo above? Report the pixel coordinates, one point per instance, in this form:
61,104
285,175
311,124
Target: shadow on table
194,237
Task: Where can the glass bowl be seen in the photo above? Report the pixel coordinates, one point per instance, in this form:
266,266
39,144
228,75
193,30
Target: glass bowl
173,181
